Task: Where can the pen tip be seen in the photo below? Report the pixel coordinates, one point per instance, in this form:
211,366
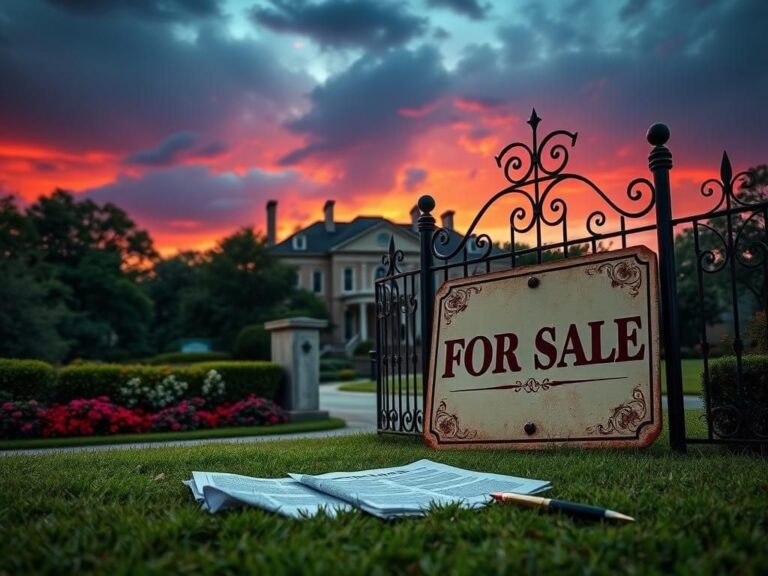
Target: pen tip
618,516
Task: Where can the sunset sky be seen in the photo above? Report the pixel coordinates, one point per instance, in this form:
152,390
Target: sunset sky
191,114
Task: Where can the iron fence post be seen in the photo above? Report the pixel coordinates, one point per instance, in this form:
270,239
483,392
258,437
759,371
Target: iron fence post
660,163
426,224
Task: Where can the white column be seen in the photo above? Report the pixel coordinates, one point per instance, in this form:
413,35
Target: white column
363,321
365,281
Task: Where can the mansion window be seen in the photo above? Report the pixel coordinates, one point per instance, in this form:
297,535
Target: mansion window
317,281
349,280
299,242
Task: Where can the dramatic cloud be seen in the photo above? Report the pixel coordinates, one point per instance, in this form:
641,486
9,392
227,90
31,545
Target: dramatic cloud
365,118
120,83
414,177
167,152
158,9
192,199
192,113
368,24
697,70
470,8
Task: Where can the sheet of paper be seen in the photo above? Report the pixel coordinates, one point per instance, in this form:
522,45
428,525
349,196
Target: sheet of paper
220,491
410,490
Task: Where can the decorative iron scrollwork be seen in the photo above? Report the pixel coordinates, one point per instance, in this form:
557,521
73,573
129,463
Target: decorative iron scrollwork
535,171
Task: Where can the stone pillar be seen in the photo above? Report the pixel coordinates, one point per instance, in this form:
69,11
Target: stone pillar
296,347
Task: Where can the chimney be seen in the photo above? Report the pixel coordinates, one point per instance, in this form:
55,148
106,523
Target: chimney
330,225
271,222
415,218
447,218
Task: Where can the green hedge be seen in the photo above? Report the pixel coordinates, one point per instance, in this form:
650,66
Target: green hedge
334,364
263,379
26,379
186,358
240,378
752,398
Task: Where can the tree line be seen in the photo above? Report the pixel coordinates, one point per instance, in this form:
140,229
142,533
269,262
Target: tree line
82,280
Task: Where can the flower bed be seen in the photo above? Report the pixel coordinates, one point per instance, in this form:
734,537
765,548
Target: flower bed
86,417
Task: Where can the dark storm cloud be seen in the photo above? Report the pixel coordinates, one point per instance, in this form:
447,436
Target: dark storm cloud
365,118
118,84
167,152
366,102
633,8
197,195
368,24
159,9
414,177
699,67
470,8
211,150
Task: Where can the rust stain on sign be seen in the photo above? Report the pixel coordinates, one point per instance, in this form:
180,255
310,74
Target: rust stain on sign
564,353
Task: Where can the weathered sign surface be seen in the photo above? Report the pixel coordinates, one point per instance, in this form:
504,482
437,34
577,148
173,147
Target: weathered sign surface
564,353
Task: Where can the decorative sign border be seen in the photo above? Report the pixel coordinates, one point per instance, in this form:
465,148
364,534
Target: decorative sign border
636,422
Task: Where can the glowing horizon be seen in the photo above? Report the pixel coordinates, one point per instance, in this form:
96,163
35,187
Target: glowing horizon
217,108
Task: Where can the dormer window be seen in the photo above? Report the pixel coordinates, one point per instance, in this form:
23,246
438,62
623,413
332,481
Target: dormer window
299,242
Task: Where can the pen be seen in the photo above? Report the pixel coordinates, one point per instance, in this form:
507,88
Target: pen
570,508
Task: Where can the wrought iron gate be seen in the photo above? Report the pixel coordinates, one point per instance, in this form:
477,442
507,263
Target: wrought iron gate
536,174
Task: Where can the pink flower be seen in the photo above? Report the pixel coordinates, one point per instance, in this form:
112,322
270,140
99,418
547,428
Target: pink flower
8,406
16,414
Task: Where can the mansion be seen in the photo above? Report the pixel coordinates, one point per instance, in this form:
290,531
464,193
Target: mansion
339,262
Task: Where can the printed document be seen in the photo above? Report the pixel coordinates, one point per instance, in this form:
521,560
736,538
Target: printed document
285,496
410,490
396,492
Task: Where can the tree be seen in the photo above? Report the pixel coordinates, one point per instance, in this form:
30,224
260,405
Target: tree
98,254
169,281
240,282
31,309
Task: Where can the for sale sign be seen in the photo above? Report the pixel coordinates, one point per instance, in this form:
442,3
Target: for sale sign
564,353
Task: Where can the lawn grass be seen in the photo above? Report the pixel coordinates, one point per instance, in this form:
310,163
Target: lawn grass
692,369
126,511
289,428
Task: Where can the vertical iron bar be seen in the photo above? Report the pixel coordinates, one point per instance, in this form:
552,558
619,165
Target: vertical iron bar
660,163
703,328
426,230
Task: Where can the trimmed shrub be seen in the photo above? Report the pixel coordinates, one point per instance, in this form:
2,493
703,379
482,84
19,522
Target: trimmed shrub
253,412
21,419
242,379
334,364
26,379
739,411
253,342
185,358
88,380
180,418
84,417
346,374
